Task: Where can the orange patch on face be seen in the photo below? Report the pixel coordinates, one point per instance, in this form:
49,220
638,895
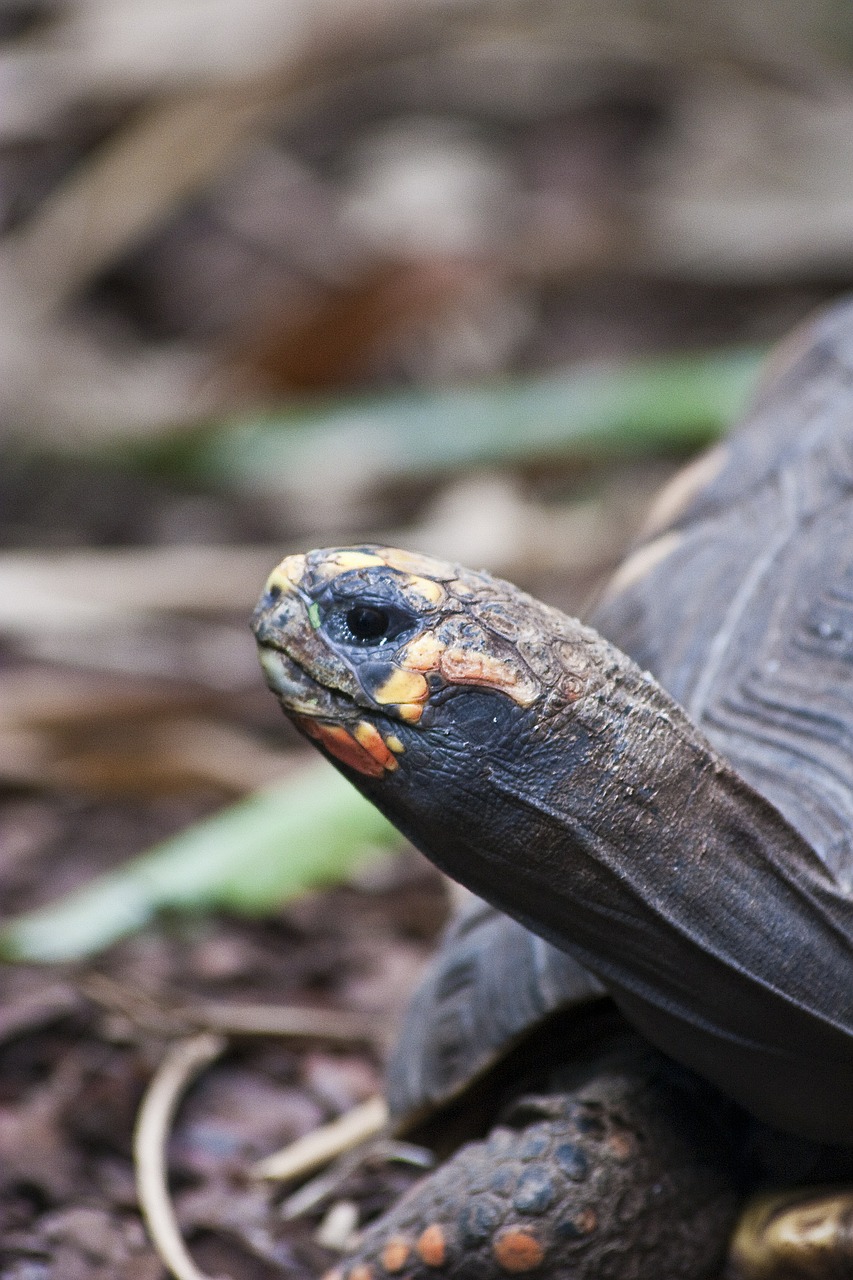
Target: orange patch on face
411,712
340,744
467,666
432,1246
516,1250
369,737
396,1254
361,1272
424,652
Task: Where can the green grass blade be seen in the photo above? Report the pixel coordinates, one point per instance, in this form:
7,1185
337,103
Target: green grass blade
603,409
308,831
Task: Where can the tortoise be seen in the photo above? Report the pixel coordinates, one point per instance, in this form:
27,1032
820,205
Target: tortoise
661,849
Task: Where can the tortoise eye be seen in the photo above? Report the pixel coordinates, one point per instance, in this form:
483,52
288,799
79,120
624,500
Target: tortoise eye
368,624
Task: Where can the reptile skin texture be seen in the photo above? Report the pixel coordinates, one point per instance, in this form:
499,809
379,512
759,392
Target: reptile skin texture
595,1180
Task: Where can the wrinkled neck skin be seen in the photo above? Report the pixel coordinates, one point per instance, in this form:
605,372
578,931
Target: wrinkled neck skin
601,818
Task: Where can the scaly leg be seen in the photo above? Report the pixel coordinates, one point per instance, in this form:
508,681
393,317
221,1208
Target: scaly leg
628,1174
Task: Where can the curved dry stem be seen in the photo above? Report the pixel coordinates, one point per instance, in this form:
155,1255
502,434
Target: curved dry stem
322,1145
182,1063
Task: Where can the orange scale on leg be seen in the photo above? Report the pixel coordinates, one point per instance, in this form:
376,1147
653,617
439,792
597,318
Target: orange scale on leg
396,1254
432,1246
517,1250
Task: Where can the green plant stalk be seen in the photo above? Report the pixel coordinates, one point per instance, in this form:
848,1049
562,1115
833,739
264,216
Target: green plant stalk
310,830
596,410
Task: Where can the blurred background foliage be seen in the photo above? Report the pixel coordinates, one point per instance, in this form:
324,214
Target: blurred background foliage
467,275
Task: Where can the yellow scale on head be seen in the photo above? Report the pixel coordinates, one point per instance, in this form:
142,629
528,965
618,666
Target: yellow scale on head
406,690
424,652
286,575
343,561
429,590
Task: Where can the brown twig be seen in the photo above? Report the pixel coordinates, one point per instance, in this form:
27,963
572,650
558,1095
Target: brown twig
289,1021
170,1018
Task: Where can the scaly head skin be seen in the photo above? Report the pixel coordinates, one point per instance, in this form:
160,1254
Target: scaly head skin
375,653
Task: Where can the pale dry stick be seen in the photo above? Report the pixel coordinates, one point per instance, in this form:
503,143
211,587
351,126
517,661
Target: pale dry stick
221,1018
121,50
171,150
98,586
322,1145
289,1021
325,1184
180,142
183,1062
322,1186
124,50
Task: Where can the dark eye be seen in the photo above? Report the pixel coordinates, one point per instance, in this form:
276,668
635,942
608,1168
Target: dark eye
367,623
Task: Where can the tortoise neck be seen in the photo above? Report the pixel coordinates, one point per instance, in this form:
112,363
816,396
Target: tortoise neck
619,835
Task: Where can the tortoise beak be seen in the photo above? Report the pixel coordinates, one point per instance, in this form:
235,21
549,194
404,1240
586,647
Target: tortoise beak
280,621
294,688
300,669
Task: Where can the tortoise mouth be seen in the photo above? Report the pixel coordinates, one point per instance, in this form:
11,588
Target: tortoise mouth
298,692
305,676
335,721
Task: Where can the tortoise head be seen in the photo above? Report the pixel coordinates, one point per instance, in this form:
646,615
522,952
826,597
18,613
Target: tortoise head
382,656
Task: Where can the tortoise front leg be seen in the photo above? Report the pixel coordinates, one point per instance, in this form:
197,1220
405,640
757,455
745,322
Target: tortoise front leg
803,1233
626,1174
